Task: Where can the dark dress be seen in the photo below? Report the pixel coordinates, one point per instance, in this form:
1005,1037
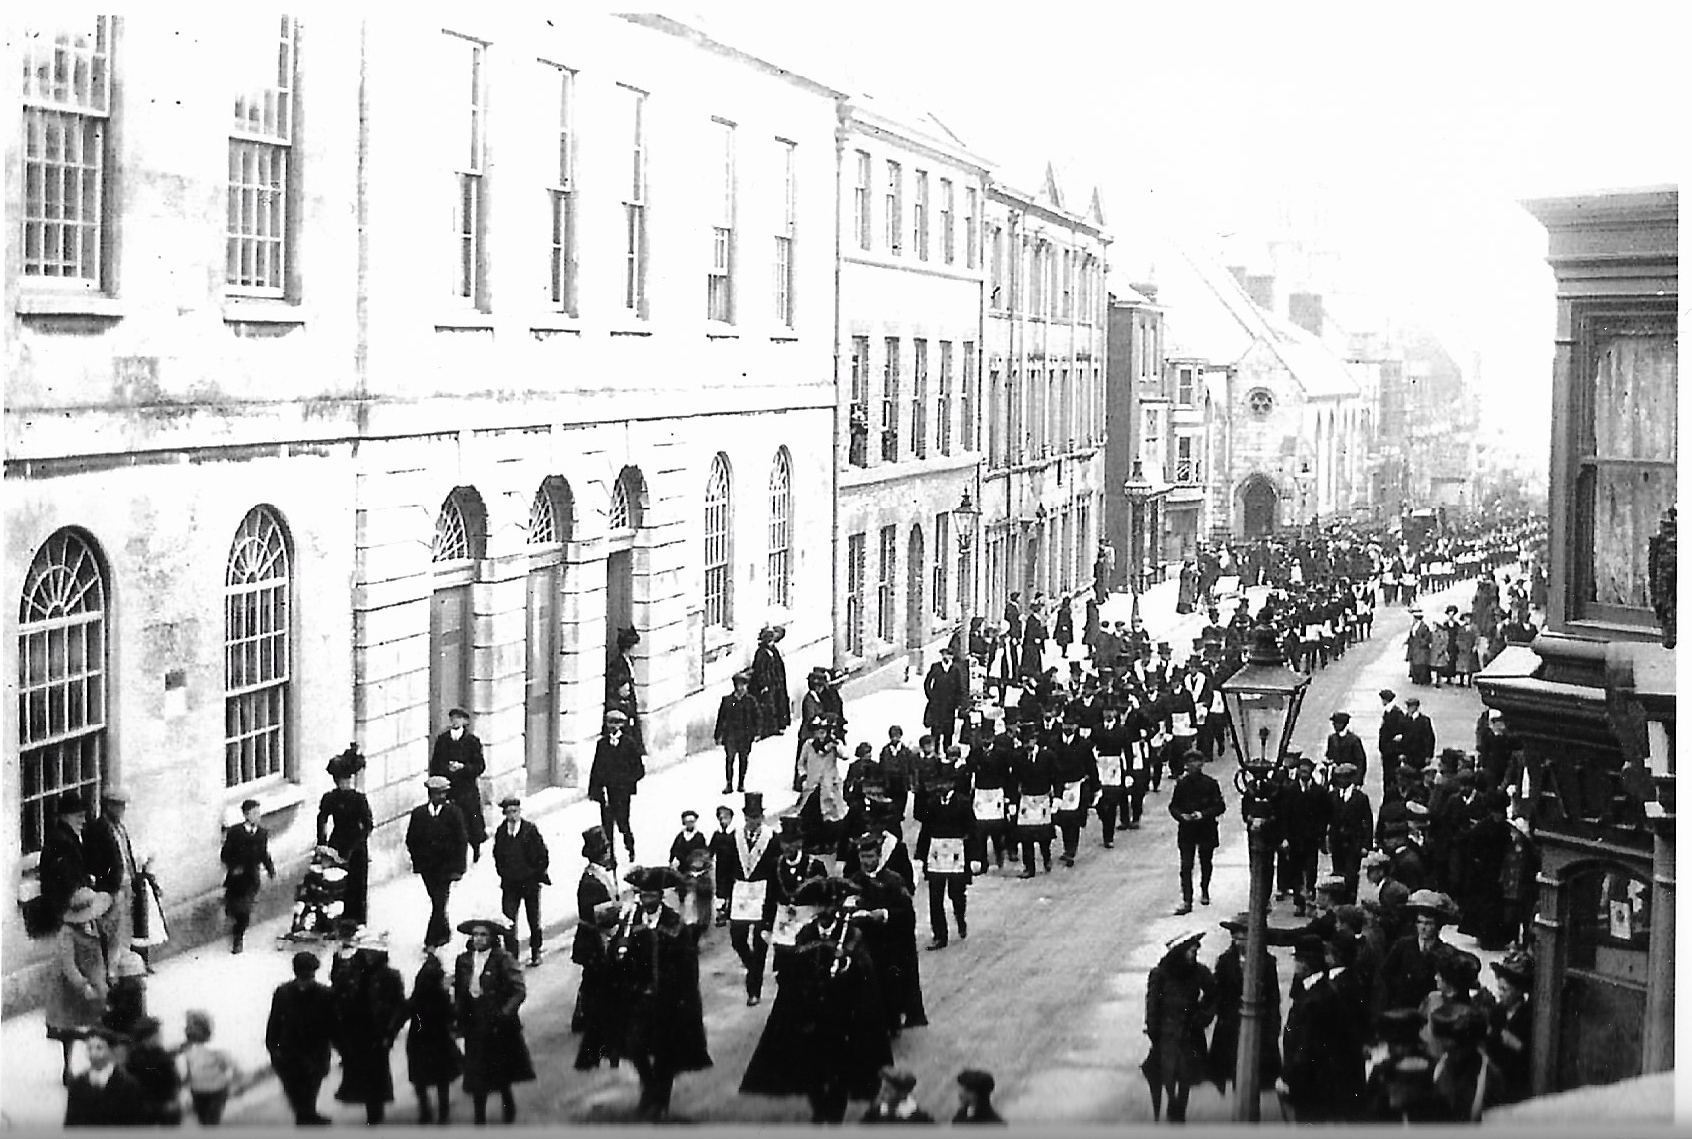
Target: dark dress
155,1074
769,685
892,946
825,1022
1180,1000
431,1052
495,1053
344,823
657,977
370,1000
1225,1038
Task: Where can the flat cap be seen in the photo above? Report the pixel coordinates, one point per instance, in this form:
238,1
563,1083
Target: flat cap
437,783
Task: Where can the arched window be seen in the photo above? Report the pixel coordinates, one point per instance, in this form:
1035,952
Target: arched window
61,680
256,650
718,511
461,527
781,530
628,498
552,513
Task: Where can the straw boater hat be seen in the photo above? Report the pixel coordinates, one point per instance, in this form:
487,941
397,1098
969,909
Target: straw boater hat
495,925
86,905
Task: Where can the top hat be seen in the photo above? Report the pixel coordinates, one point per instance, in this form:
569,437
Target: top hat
754,804
791,829
653,879
594,841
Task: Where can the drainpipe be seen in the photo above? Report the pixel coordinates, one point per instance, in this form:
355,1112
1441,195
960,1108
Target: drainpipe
835,577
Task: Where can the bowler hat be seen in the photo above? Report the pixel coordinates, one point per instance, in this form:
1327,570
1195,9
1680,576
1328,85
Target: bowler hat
1461,970
824,891
653,879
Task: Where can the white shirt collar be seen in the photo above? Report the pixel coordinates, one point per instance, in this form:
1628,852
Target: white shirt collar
99,1076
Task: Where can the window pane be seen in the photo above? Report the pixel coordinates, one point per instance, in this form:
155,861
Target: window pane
1627,504
1634,411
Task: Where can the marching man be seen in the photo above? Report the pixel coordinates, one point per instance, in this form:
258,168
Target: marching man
943,850
751,905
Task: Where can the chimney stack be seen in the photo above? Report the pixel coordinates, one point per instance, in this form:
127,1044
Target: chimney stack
1261,290
1305,310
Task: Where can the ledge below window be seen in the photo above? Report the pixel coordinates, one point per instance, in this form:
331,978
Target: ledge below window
260,310
273,799
465,321
69,304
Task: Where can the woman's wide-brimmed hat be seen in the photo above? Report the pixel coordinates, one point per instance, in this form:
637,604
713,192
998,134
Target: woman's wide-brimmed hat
347,764
1182,940
86,905
1433,904
494,925
653,879
1517,966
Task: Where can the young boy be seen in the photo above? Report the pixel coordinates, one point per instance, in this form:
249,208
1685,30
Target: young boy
724,858
246,848
690,855
688,840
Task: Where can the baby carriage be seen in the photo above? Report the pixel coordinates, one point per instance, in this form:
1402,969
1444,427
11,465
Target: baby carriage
319,901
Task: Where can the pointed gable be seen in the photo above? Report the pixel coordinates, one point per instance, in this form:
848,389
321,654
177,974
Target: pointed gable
1050,191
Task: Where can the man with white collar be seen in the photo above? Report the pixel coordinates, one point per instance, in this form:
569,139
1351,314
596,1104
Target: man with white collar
616,773
436,840
1418,733
896,1101
752,902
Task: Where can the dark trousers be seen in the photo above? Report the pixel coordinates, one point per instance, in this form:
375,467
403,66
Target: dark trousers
1297,870
1071,833
1107,819
1189,847
508,1105
1178,1102
208,1106
614,813
1028,845
940,886
828,1100
943,731
442,1112
510,897
656,1083
1000,842
1136,802
440,889
749,941
736,751
1347,863
301,1092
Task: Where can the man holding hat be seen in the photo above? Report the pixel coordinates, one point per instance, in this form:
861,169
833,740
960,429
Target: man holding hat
521,858
1344,746
298,1037
616,773
1196,802
246,850
1352,828
458,756
435,838
738,717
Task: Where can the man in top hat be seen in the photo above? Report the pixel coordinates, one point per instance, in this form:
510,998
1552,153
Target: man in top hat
738,717
435,838
1510,1042
521,858
298,1036
1304,811
975,1097
1196,802
63,868
1418,733
754,864
886,916
944,690
664,1015
769,683
1352,826
616,773
1344,746
458,756
111,860
246,850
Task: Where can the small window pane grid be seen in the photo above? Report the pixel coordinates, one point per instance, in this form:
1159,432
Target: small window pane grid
890,402
971,253
919,401
61,682
467,150
634,206
1260,402
861,201
717,601
855,555
782,287
895,208
967,426
942,539
561,267
626,509
452,537
884,584
543,521
1184,386
256,673
619,518
858,421
719,281
948,203
256,241
66,102
920,216
780,568
943,401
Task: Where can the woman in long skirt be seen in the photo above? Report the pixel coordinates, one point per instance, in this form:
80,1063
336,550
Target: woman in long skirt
432,1058
488,991
370,1008
76,997
598,903
344,823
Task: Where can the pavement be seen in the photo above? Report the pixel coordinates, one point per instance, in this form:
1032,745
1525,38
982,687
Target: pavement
234,989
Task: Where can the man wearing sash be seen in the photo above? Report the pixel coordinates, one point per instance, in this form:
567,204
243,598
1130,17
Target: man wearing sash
1032,776
990,769
886,916
895,856
1158,710
1110,760
1183,718
1142,757
751,904
1074,779
944,849
792,870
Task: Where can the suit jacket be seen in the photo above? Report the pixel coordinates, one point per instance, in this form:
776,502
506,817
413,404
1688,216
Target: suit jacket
104,851
502,984
944,695
437,843
1196,791
737,719
1347,748
1305,814
63,866
521,861
302,1024
118,1104
1353,825
243,856
617,766
1418,732
466,791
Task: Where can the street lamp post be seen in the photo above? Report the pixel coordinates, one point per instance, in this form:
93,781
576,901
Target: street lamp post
1263,700
967,514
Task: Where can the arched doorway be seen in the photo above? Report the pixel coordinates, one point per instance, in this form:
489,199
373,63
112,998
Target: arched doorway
551,525
461,542
1259,507
627,515
916,625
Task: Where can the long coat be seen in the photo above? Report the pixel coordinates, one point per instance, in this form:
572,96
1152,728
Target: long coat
117,1104
495,1053
301,1029
1229,976
892,946
243,855
371,1008
344,822
466,790
596,999
658,983
63,867
1408,974
944,695
436,842
431,1052
1418,732
1419,646
825,1022
1323,1066
769,685
78,961
1180,1002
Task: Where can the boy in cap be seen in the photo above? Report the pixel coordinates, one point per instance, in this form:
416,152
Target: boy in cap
1196,802
1344,746
723,860
896,1101
521,858
246,850
435,838
1352,828
737,729
298,1037
1418,734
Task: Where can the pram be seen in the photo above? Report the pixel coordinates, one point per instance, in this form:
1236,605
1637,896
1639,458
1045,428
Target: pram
320,898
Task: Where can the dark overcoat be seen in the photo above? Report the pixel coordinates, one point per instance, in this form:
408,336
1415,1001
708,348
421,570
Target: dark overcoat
769,685
1180,1002
301,1029
466,789
495,1052
658,983
371,1010
1229,976
431,1051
